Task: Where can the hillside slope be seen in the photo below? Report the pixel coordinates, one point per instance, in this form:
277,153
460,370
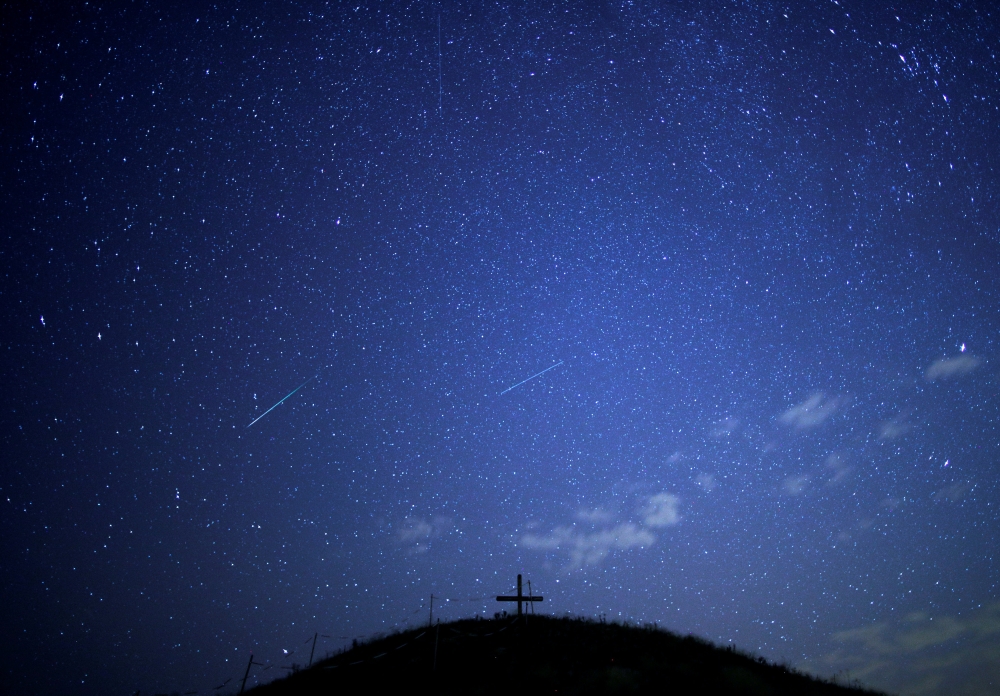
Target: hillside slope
545,655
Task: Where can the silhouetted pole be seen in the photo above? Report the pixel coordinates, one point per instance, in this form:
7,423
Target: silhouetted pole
246,674
437,633
313,651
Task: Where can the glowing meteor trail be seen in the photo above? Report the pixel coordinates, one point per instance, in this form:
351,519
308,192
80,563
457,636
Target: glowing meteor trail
283,400
530,378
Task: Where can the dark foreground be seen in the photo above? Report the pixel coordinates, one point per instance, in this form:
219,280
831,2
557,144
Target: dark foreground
546,655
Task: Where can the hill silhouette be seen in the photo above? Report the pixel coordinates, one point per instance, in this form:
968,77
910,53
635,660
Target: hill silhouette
542,654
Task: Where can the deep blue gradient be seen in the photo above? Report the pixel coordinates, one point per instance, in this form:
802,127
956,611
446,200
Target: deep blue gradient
762,240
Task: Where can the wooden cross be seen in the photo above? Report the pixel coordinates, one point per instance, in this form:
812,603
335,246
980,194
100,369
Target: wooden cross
519,597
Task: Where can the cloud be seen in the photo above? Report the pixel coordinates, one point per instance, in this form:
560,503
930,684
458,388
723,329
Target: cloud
891,429
796,485
922,654
590,548
813,411
417,532
595,516
662,510
946,368
706,482
953,493
724,428
839,469
597,535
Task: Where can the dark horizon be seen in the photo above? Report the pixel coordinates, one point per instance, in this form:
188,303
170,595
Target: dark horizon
544,654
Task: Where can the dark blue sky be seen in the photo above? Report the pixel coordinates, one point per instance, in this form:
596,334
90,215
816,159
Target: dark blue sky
761,240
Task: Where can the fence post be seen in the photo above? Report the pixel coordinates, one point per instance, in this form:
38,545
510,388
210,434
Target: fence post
437,633
246,674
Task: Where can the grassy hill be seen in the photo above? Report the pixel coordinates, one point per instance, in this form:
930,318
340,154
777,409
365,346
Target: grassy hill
546,655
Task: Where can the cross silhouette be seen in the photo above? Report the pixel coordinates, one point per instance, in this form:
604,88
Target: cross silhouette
519,597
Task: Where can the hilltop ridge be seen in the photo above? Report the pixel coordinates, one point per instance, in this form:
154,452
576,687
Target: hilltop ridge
542,654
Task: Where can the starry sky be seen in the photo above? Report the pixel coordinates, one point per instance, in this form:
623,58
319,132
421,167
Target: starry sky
751,247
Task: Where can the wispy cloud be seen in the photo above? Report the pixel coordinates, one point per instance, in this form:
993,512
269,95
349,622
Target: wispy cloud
795,485
893,503
946,368
662,510
922,654
897,427
706,482
595,516
595,534
813,411
724,428
839,469
954,492
417,532
589,547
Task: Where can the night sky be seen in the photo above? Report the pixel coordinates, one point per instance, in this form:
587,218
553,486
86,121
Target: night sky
756,243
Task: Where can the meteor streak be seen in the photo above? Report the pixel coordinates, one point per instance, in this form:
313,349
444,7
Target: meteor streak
525,380
283,400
